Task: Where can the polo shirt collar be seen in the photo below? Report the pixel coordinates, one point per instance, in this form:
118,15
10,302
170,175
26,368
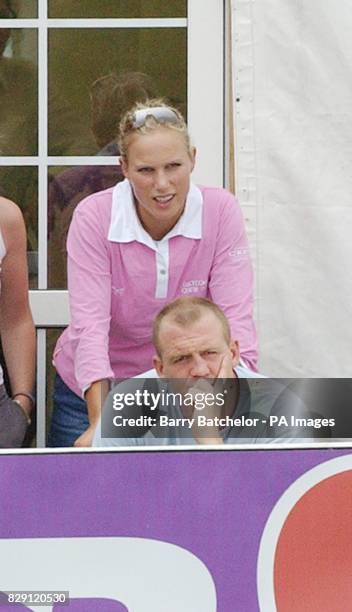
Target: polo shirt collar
125,225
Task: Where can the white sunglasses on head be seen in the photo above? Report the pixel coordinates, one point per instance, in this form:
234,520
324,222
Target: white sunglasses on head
162,114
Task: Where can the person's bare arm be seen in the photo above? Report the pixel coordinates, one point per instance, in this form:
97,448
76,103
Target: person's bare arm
16,322
94,397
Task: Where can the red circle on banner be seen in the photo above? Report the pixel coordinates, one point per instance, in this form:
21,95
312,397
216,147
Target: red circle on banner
313,558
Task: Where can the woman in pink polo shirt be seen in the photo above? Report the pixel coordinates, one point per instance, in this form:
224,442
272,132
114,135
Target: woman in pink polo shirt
134,248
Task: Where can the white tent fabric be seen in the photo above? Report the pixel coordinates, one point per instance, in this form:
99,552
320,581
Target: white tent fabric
292,69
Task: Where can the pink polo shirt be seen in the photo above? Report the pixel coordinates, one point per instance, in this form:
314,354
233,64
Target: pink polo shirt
119,278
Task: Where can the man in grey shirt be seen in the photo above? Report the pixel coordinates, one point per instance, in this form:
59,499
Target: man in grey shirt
196,360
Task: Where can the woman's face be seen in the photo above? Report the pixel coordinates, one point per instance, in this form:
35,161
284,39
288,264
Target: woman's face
158,167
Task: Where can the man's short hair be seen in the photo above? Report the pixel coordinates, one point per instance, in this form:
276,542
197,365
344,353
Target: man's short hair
187,310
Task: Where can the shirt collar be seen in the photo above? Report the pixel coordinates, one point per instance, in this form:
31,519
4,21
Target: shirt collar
125,225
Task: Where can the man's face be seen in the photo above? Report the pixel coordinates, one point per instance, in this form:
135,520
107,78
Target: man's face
195,351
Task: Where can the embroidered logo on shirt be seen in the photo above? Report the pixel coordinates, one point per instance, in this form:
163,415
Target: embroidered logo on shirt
239,252
192,286
118,290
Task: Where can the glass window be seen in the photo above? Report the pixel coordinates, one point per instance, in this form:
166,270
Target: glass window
18,92
11,9
20,184
85,94
67,186
117,8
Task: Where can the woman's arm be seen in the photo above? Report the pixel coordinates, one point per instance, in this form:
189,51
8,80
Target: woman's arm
89,289
95,397
16,323
89,285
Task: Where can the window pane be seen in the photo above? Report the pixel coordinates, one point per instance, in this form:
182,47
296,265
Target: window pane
117,8
68,186
84,114
18,92
20,184
11,9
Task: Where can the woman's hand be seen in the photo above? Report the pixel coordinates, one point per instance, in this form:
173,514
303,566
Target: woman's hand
85,439
95,397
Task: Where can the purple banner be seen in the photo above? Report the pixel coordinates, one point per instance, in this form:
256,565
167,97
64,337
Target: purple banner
144,531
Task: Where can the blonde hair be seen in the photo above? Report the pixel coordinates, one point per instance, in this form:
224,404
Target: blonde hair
127,124
187,310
